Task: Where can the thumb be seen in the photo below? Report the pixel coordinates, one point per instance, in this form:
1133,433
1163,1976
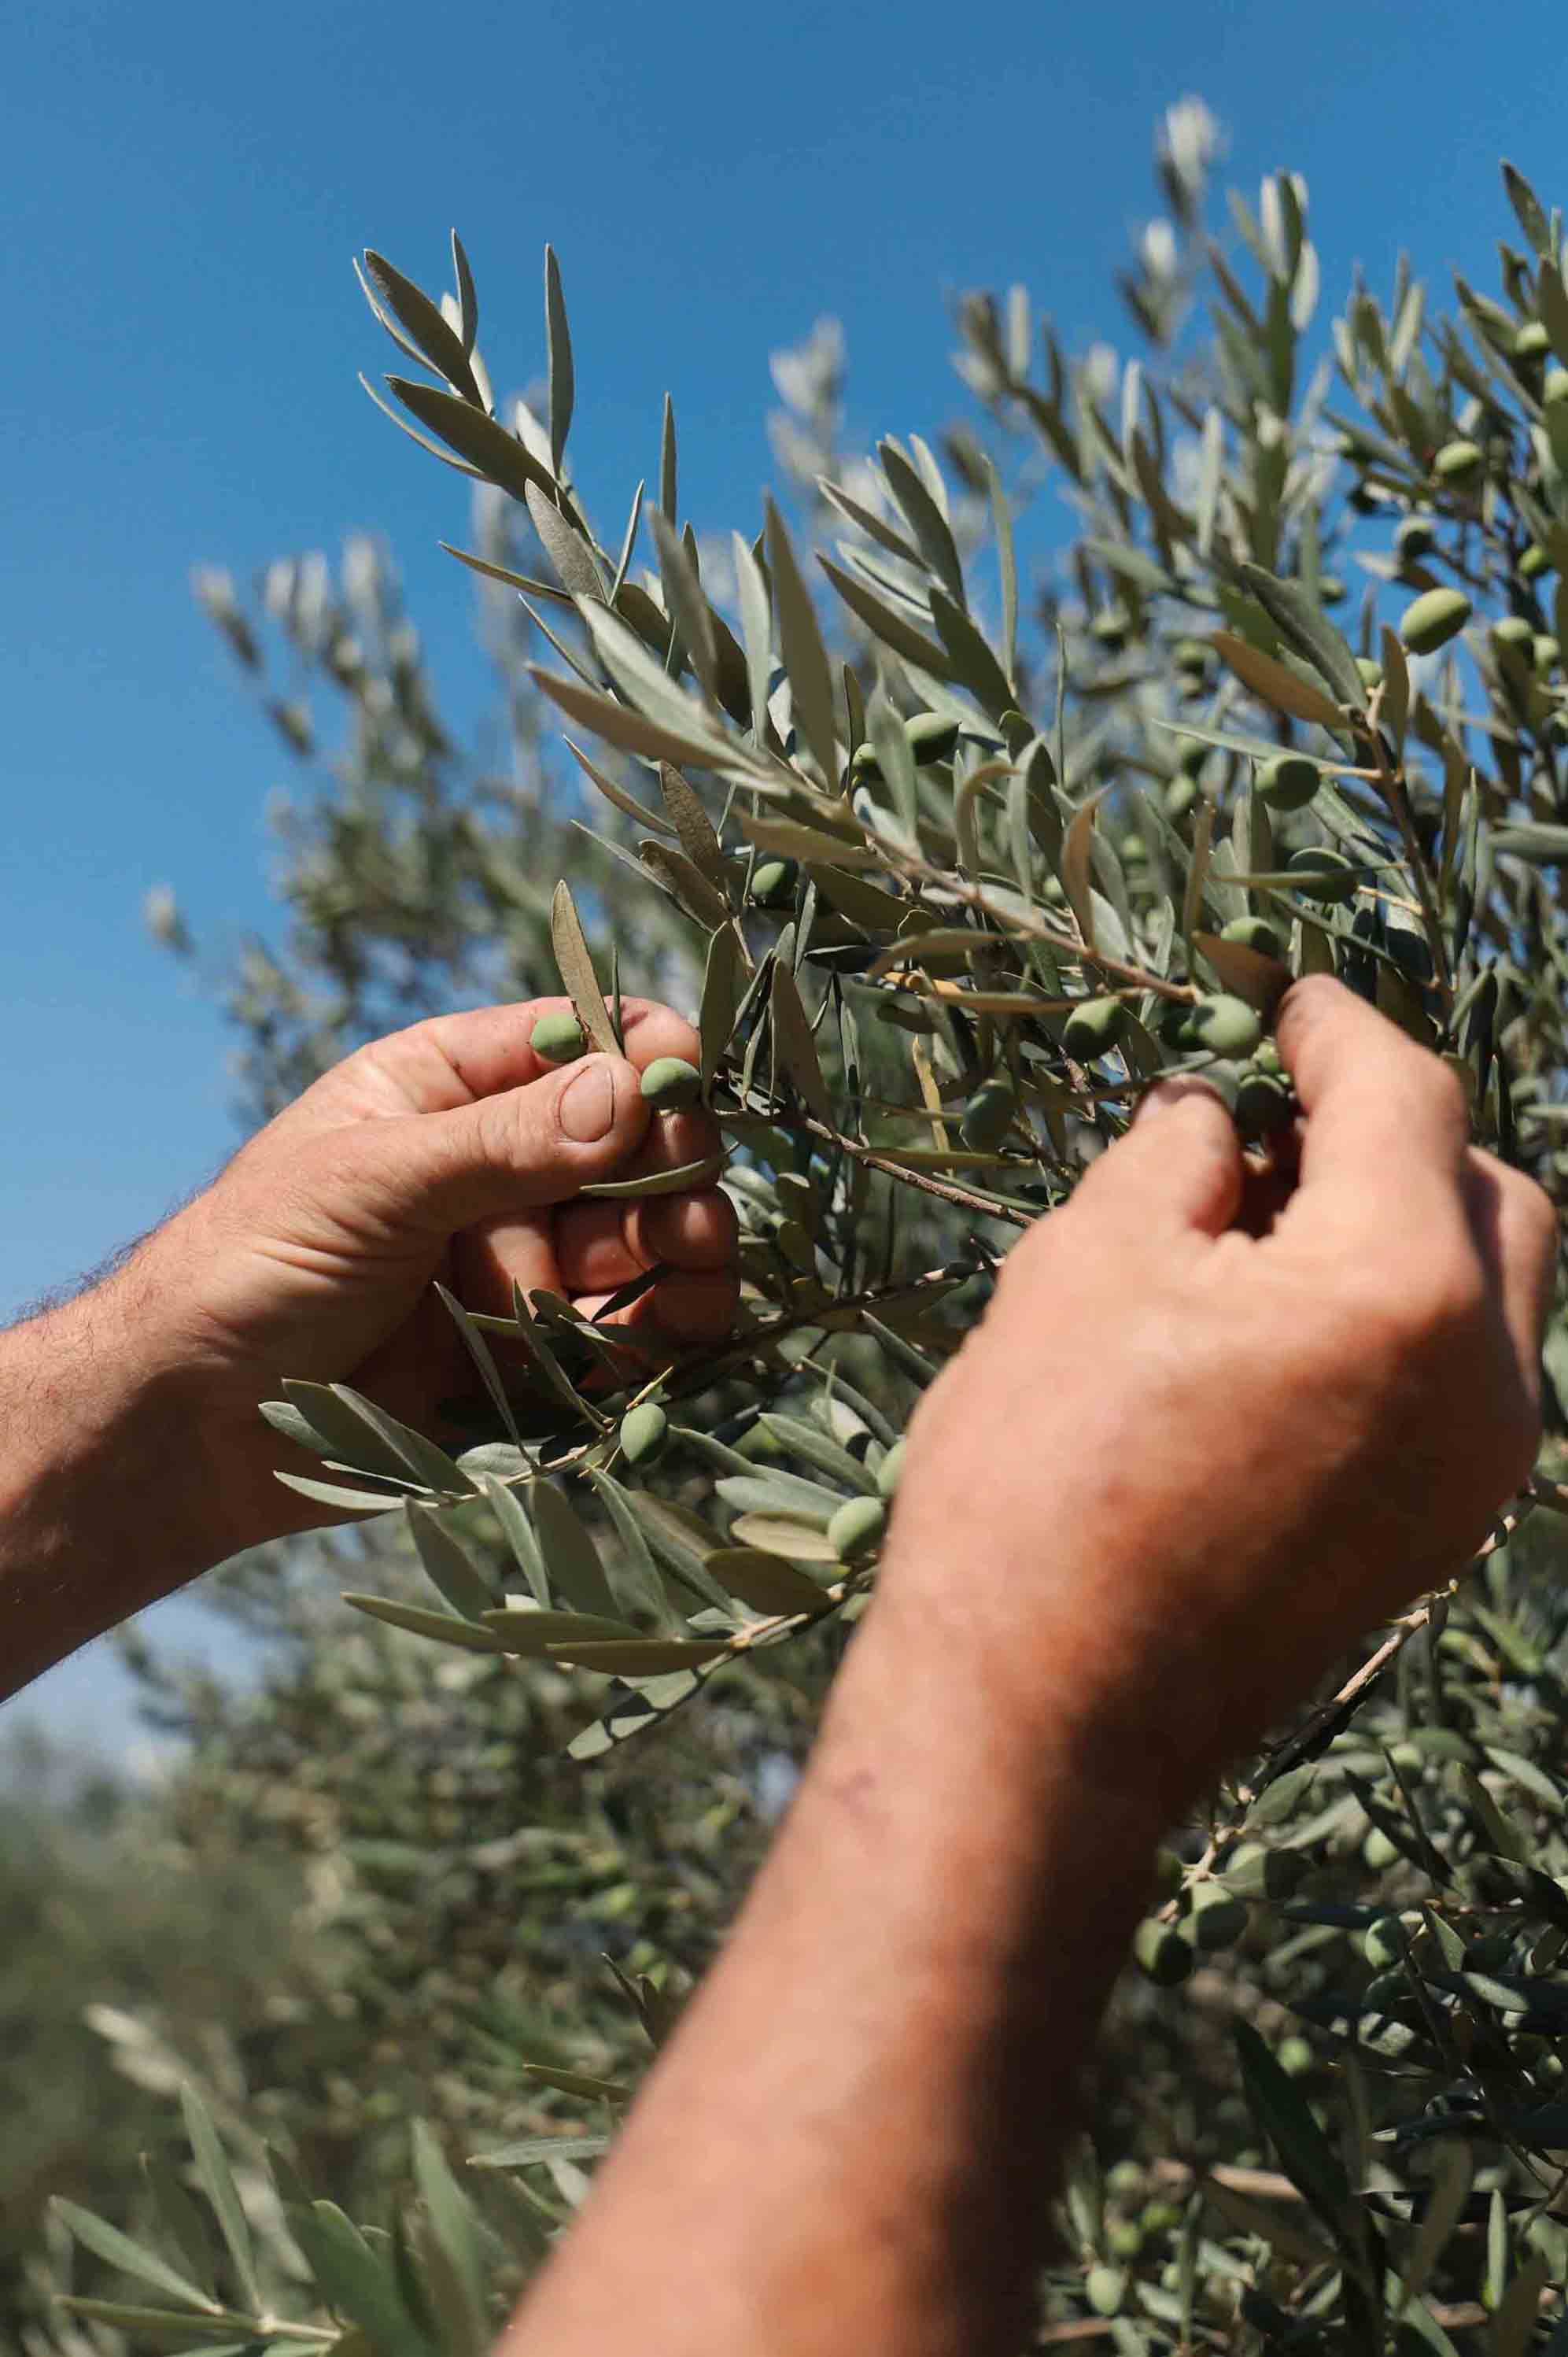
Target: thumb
439,1172
1179,1165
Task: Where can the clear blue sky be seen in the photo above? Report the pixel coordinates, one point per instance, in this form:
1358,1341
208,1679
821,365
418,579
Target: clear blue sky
184,188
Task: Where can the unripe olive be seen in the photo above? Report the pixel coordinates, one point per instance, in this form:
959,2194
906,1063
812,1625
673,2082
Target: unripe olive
643,1433
1457,461
864,764
1266,1057
1264,1105
1163,1953
1159,2217
1105,2288
1371,671
670,1083
1534,562
1514,631
558,1038
1093,1028
1132,848
1429,621
1330,589
773,882
1379,1851
1555,389
1218,1920
1386,1993
1254,933
1123,2239
1414,539
1385,1941
988,1116
1320,873
1288,782
1110,626
856,1528
1223,1024
1192,757
1191,655
889,1472
1530,341
1547,652
931,737
1295,2057
1124,2177
1180,795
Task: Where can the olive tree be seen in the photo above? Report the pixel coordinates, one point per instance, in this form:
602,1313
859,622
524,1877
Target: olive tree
952,863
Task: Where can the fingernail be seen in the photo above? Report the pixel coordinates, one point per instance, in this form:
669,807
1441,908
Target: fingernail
589,1106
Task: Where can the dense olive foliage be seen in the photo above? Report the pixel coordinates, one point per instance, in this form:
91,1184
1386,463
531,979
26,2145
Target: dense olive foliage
952,860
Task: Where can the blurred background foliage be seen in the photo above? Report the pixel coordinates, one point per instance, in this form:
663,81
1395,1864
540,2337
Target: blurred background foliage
374,1893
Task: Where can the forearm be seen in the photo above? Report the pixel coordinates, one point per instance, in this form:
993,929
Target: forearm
851,2142
104,1476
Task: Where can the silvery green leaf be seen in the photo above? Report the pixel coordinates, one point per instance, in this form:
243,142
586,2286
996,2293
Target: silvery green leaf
667,463
641,1657
869,521
657,1182
447,458
768,1583
566,547
217,2181
793,1044
533,1634
646,684
627,804
334,1493
439,346
702,900
685,603
970,657
451,1569
764,1491
478,1349
443,1626
467,300
1551,298
485,444
721,996
503,574
805,657
884,623
628,544
528,2150
162,2328
509,1512
756,631
1529,211
354,2280
1274,684
570,1555
637,1572
558,348
783,1535
1302,623
692,823
576,969
925,518
118,2251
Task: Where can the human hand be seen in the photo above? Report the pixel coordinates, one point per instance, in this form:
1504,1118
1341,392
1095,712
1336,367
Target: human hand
448,1151
1196,1462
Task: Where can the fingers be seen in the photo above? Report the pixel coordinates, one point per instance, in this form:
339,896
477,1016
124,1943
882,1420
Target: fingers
436,1173
1515,1229
1179,1167
1386,1127
452,1060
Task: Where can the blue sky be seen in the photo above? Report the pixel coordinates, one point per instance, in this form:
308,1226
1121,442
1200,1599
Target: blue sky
184,188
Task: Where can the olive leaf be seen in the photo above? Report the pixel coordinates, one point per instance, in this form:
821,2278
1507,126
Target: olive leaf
805,657
567,550
570,1555
720,1000
793,1044
1275,685
558,360
576,969
438,345
452,1570
444,1627
478,438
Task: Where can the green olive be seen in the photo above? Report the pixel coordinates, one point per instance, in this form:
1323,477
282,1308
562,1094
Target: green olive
856,1528
644,1432
1180,795
1264,1105
1548,652
1093,1028
773,882
1534,562
1288,782
1218,1918
889,1472
1191,655
1223,1024
1530,341
1319,874
864,764
669,1083
560,1039
988,1116
1457,461
1254,933
1295,2057
931,737
1414,539
1371,671
1514,631
1110,626
1123,2239
1163,1952
1330,589
1105,2290
1429,621
1554,392
1159,2217
1378,1851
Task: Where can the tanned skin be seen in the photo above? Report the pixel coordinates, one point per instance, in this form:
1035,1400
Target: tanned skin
1191,1452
